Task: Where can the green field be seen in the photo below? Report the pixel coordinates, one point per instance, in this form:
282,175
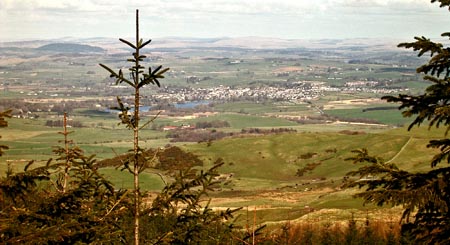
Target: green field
263,167
277,157
391,116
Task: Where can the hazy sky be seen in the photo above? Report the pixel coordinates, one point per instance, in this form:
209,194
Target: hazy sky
304,19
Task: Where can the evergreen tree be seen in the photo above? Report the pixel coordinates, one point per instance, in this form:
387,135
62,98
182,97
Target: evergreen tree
63,202
178,214
138,79
425,196
68,201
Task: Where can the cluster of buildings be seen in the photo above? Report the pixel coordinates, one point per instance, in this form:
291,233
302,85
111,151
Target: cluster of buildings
293,92
296,92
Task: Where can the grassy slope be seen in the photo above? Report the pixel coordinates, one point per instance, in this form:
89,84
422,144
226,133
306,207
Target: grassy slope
121,179
264,170
264,167
277,157
239,121
392,117
273,157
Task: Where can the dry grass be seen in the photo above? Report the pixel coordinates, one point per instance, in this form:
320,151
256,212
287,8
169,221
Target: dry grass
354,230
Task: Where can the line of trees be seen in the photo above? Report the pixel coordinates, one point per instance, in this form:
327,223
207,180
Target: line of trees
212,124
60,123
201,135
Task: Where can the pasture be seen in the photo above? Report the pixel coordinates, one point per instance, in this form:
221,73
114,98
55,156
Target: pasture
261,168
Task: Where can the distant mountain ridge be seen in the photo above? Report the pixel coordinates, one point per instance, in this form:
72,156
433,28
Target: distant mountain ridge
70,48
112,45
249,42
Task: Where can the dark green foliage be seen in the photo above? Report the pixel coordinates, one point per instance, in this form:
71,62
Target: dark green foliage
67,201
59,123
182,135
307,169
3,124
425,195
16,187
172,158
212,124
64,202
267,131
148,78
125,117
37,208
183,208
443,3
180,214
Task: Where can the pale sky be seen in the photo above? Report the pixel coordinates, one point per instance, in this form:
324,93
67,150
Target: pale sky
291,19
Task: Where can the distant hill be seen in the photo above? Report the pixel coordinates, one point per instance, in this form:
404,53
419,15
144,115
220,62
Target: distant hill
70,48
69,44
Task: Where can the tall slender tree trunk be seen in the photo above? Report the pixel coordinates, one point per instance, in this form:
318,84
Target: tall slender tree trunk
136,169
66,149
136,81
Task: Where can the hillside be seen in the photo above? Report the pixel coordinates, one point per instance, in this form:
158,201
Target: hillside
278,157
70,48
261,171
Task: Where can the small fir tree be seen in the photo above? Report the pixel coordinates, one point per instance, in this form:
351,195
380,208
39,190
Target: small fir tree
137,80
79,207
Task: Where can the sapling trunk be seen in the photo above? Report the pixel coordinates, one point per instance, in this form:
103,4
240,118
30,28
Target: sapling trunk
135,165
136,137
66,150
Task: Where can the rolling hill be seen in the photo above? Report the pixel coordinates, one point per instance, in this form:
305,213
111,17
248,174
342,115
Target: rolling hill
70,48
278,157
